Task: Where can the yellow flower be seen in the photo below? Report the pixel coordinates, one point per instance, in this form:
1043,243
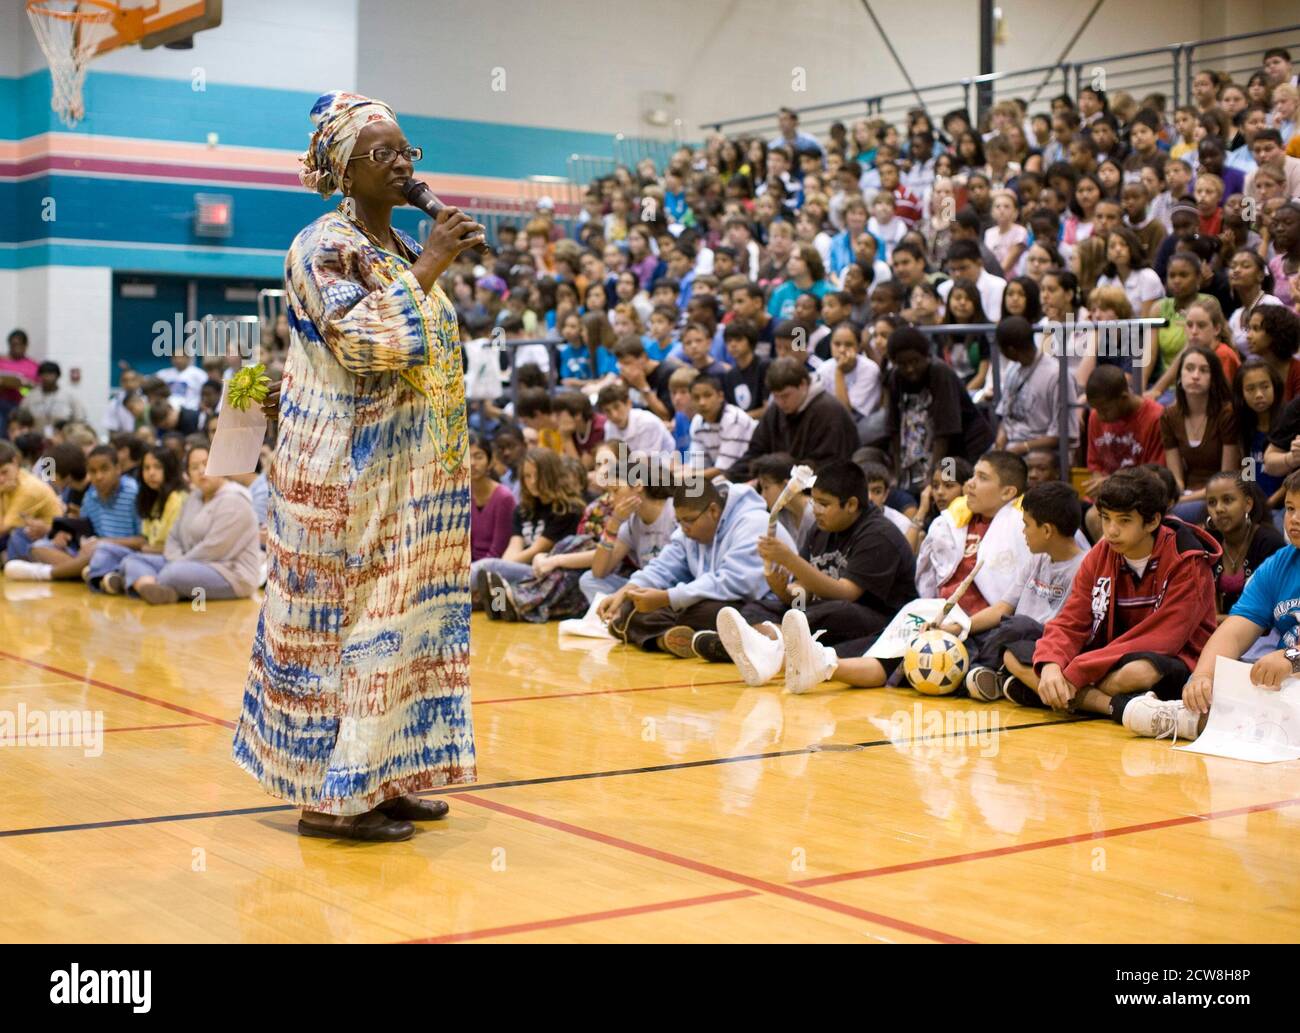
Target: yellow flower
248,385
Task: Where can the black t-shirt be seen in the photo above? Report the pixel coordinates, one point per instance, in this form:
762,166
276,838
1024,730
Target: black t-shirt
546,523
746,388
953,414
658,381
874,555
1287,426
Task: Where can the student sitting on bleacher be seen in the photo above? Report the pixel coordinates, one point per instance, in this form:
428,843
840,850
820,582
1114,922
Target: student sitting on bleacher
803,420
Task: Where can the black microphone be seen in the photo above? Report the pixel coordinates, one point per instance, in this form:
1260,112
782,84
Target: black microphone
418,195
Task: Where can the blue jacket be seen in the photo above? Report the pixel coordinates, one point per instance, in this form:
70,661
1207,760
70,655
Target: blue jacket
726,570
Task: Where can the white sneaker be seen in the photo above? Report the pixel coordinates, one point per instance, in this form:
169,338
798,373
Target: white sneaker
758,657
808,663
24,570
1160,719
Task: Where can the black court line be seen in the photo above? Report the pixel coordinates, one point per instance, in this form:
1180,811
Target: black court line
554,779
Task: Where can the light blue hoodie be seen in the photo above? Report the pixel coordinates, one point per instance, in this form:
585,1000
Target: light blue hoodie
729,569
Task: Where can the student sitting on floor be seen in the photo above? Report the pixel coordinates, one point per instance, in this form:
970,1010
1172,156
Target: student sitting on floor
159,502
1241,523
947,483
109,506
985,526
879,483
549,510
1003,636
638,530
1140,611
26,501
771,474
1270,602
850,578
213,550
711,562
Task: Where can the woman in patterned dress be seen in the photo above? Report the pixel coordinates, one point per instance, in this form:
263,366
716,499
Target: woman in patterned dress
358,687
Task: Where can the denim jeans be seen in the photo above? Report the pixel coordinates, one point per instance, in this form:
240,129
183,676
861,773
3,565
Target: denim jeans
593,586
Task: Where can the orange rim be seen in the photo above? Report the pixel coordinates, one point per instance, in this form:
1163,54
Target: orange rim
108,11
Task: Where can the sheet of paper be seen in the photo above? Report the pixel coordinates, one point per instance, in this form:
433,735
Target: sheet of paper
908,621
1248,722
238,440
589,625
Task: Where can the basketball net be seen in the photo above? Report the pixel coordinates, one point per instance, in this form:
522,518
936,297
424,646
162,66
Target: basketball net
69,31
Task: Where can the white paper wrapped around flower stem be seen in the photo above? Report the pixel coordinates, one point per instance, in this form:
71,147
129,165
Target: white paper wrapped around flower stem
801,479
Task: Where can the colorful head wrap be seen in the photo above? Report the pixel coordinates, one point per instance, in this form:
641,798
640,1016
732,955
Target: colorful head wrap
339,118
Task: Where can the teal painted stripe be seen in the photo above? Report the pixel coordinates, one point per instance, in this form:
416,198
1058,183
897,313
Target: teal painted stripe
151,260
248,116
153,212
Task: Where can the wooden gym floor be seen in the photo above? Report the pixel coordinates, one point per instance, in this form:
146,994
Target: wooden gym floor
623,797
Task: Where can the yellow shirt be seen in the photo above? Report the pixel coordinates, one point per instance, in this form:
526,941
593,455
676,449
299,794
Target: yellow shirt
30,499
552,439
156,529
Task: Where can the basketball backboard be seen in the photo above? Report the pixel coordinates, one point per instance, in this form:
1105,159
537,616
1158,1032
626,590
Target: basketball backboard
72,33
156,23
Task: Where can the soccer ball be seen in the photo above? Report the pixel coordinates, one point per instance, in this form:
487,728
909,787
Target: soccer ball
936,662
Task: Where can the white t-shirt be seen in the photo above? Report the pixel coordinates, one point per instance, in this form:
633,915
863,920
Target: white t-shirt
645,432
1140,286
1237,321
185,384
991,289
1040,592
862,384
1002,244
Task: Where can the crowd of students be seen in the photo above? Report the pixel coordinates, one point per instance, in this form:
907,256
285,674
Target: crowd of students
136,515
761,304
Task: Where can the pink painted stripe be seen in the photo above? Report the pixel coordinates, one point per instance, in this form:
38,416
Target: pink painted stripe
67,163
191,156
590,916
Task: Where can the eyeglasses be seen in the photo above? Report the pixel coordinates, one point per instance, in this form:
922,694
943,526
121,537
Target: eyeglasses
388,155
688,522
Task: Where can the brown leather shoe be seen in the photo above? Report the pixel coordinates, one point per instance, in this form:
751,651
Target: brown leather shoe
371,827
412,808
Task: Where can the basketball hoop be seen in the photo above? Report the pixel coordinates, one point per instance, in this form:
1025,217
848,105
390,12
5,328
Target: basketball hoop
70,33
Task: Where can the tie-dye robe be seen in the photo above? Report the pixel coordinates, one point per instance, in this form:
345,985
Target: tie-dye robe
358,687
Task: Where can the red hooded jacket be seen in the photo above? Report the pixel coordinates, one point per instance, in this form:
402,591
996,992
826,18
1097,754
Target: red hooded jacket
1110,611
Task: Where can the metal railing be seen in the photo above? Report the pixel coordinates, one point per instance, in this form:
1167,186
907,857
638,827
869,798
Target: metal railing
1168,70
1066,420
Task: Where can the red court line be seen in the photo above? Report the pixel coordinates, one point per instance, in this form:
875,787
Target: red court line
591,916
607,692
761,885
1044,844
82,679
